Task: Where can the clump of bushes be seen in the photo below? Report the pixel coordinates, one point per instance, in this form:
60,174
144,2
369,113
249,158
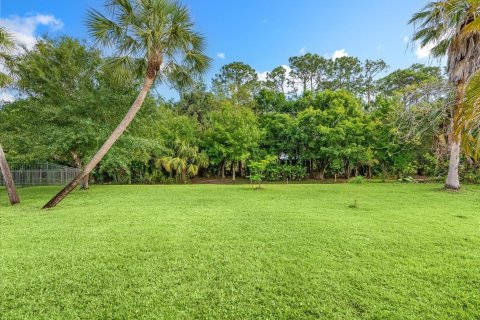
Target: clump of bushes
270,169
276,171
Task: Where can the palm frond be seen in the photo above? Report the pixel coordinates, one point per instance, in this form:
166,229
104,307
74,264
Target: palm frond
125,67
7,48
105,31
7,41
469,120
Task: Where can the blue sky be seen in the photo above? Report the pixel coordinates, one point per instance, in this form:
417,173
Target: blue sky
262,33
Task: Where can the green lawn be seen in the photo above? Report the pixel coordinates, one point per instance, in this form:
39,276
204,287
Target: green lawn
231,252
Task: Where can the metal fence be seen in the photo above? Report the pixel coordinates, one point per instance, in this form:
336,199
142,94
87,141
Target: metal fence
41,174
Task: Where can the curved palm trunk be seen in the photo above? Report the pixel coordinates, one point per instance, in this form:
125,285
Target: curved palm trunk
453,180
106,146
7,177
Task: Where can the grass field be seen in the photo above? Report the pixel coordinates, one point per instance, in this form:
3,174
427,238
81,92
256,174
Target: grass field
231,252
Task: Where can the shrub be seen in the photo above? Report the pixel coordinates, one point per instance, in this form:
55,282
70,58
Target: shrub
258,169
276,172
357,179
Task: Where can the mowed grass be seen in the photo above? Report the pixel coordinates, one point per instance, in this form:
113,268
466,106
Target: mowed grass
231,252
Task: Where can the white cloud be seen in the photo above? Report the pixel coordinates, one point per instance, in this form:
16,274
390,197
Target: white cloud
221,55
336,54
303,50
380,48
339,54
6,97
24,28
406,39
262,76
424,52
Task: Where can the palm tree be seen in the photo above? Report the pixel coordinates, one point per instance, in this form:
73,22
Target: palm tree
452,28
152,38
186,162
7,46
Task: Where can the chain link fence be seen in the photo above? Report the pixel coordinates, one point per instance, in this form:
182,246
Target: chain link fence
41,174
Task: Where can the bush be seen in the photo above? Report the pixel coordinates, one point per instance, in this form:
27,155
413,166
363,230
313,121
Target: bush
357,179
277,172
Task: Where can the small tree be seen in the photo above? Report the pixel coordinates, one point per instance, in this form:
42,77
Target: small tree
257,169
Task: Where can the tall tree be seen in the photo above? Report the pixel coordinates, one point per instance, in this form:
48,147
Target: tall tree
7,45
277,79
452,28
309,72
153,38
236,81
231,137
371,69
346,74
300,73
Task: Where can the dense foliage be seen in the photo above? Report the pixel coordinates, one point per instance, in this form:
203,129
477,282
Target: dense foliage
323,119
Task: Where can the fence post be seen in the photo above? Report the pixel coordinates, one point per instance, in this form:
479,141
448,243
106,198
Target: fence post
7,176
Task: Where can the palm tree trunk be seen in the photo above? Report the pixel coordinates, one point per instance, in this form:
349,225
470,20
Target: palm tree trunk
7,177
85,185
116,134
453,180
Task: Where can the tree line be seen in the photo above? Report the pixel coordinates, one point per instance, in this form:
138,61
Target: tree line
391,127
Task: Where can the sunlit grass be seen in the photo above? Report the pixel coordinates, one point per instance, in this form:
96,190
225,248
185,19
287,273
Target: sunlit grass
213,251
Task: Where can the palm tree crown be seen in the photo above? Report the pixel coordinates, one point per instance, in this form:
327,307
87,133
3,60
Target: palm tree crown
151,37
451,27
